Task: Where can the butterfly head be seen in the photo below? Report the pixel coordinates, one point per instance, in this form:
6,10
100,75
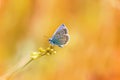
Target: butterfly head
51,41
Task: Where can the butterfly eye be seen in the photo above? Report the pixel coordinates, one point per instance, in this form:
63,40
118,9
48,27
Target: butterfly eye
49,39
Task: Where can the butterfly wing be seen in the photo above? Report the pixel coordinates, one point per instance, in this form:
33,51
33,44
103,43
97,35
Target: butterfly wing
61,30
60,37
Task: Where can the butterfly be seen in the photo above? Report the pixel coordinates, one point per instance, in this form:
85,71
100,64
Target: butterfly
60,36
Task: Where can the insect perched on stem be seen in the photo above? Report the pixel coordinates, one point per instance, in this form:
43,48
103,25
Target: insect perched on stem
59,38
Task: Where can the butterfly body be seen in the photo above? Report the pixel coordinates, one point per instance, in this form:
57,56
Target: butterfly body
55,42
60,37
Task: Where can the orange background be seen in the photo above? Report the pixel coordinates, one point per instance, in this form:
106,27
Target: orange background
93,52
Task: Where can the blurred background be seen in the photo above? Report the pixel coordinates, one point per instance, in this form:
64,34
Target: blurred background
93,52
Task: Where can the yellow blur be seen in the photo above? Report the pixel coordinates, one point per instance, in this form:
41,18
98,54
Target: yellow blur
93,52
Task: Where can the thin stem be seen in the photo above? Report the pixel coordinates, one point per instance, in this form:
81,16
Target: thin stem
11,73
34,56
27,63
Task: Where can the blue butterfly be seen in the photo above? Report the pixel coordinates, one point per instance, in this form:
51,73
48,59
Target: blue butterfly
60,36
